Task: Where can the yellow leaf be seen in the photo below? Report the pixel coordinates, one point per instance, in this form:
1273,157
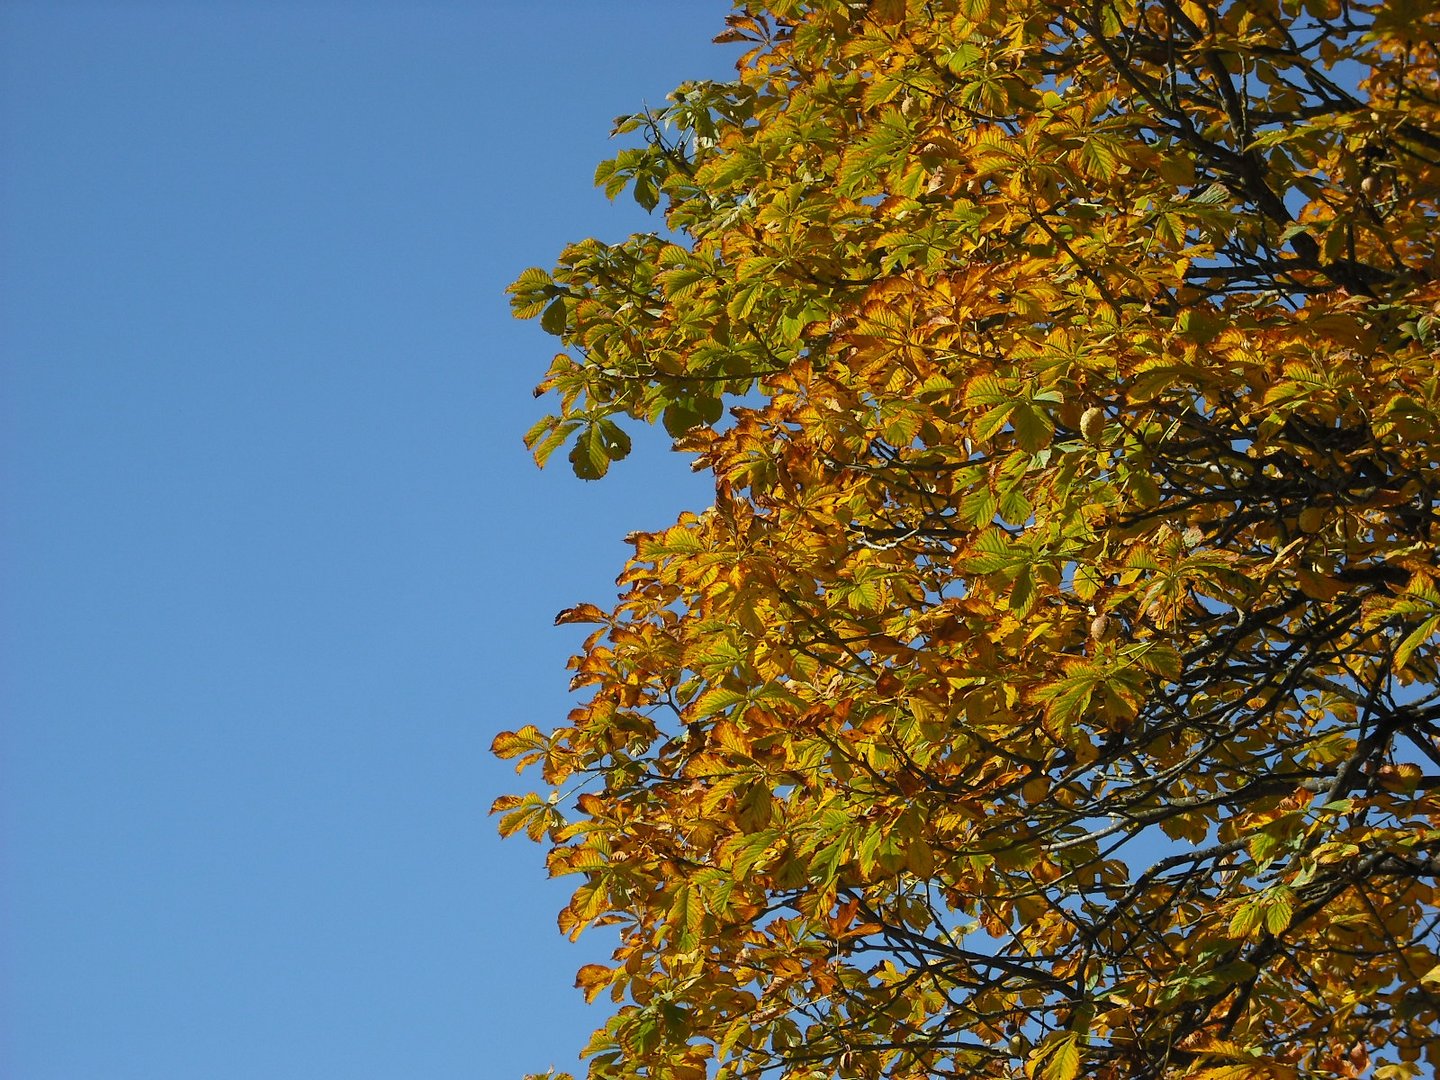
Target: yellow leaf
1056,1058
1258,1070
592,978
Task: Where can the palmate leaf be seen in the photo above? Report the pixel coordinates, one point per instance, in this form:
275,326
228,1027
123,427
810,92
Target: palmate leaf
531,291
597,445
1050,690
528,745
530,813
717,699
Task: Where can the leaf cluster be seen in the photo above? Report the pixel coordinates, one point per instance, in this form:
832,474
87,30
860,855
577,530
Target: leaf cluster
1051,688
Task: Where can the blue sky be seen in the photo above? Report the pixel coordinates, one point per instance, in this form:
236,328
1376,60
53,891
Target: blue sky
274,566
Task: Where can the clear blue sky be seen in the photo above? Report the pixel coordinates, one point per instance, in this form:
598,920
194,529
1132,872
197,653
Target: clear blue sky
274,565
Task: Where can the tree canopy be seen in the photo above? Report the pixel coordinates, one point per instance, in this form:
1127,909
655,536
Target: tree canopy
1051,689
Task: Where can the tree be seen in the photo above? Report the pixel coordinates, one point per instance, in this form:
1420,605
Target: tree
1051,689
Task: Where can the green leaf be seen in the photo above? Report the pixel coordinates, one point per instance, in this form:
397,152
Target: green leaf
1100,156
1014,507
1278,913
1033,428
978,506
685,918
988,390
716,699
646,193
530,293
597,446
552,321
684,414
1413,640
1247,918
1061,1055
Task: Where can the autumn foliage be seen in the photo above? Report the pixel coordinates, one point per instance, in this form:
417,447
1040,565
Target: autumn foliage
1051,689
